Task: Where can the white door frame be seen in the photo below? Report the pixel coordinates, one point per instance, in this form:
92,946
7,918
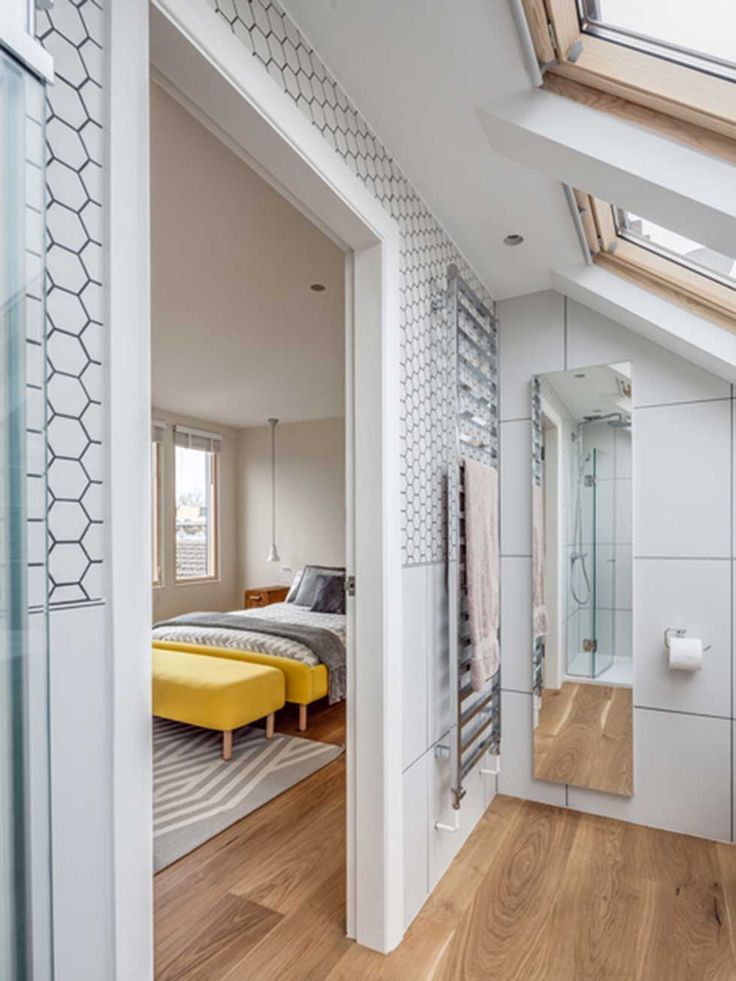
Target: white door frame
195,52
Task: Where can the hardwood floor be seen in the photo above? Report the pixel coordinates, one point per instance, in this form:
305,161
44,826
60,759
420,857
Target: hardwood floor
585,737
266,897
544,894
537,893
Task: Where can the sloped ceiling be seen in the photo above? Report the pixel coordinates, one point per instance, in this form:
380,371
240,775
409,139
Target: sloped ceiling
420,73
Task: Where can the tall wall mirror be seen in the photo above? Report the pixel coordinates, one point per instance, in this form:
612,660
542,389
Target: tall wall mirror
582,577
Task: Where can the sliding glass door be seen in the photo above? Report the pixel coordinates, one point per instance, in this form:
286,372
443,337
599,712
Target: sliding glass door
25,920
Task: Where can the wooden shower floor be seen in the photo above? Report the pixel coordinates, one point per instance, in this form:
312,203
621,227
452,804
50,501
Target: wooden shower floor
585,737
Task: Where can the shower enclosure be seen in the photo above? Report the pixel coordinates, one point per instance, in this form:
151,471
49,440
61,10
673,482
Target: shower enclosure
591,568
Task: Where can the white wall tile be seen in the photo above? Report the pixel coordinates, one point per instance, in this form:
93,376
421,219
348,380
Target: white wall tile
682,479
682,779
516,754
659,376
516,488
444,845
416,833
691,594
532,342
516,623
80,743
623,633
416,669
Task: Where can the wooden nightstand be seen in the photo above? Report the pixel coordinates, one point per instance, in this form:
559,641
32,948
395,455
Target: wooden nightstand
264,596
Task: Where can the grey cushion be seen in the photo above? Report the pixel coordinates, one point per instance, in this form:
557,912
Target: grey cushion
294,588
308,586
330,595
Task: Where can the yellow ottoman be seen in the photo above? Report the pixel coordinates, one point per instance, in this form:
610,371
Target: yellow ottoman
215,693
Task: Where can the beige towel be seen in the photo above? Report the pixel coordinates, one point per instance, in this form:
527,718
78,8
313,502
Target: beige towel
538,601
482,568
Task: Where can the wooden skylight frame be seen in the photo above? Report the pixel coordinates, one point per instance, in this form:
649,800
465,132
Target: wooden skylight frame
679,101
685,286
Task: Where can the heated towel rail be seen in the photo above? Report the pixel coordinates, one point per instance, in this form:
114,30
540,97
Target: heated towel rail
475,716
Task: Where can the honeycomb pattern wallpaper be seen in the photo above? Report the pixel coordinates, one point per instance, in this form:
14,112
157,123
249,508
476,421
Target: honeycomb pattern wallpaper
269,35
73,32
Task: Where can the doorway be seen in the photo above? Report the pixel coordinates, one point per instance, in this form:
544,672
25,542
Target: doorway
206,65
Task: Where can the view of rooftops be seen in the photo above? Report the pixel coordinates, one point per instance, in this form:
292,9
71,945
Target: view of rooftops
699,35
670,245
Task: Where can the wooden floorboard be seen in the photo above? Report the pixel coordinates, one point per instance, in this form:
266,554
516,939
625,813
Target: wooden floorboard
585,737
537,893
215,906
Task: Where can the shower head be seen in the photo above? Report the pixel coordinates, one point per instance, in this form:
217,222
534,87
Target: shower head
616,420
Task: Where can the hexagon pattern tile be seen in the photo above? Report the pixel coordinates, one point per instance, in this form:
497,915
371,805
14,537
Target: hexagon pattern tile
73,32
269,35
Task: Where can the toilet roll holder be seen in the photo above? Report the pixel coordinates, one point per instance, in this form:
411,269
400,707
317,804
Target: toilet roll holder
678,632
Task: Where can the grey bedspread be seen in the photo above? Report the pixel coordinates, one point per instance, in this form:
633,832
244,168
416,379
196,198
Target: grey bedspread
324,644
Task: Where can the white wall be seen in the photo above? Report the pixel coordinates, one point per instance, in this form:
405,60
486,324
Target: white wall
310,499
426,723
683,507
232,263
172,598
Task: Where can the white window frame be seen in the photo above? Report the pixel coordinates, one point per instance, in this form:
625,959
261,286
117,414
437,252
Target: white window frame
213,518
157,513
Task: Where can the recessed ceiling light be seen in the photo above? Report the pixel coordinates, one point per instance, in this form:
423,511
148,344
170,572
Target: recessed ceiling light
513,240
318,287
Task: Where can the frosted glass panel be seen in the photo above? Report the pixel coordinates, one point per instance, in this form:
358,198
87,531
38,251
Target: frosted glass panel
24,815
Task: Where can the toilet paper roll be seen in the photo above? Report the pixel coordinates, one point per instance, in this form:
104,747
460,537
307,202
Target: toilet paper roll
686,653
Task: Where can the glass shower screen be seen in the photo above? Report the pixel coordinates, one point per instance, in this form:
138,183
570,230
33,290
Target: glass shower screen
590,644
25,921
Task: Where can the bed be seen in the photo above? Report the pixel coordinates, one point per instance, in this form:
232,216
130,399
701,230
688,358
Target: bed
308,646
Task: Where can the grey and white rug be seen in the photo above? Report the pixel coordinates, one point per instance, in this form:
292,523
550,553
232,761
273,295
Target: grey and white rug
196,794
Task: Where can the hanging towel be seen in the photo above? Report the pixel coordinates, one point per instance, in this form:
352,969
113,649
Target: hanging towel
538,603
482,568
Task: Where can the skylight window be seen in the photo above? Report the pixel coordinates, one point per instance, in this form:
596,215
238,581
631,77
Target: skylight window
669,244
686,272
674,58
699,35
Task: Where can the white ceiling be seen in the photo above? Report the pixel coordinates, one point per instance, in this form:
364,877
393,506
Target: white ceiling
237,335
592,391
420,73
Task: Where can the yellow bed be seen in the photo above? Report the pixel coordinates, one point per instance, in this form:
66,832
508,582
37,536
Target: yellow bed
304,683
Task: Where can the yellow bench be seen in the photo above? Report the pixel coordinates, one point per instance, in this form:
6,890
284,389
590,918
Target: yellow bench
305,683
215,693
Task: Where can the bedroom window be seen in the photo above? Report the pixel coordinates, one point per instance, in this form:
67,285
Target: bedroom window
669,65
158,432
196,505
156,502
685,271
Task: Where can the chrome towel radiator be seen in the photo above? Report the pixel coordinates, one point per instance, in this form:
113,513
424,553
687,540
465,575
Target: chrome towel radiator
475,716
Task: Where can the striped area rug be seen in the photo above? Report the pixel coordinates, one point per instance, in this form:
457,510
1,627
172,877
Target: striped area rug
196,794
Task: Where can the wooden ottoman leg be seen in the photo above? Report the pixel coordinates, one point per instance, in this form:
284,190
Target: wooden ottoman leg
227,744
302,718
270,723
